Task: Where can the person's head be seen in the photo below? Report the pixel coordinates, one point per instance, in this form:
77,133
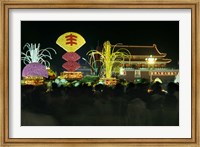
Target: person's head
156,87
172,87
118,90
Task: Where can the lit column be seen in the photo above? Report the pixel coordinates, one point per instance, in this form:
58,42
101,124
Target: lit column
150,62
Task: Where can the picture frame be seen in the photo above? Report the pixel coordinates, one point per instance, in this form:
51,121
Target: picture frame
6,5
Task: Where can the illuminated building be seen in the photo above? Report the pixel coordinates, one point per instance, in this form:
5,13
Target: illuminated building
146,62
140,53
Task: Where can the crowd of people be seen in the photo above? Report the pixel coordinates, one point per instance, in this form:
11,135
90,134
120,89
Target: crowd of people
100,105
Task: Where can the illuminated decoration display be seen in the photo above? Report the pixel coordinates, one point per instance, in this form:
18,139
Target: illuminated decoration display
158,80
35,70
35,54
71,75
122,71
51,74
109,58
162,73
71,65
71,56
34,74
151,60
71,42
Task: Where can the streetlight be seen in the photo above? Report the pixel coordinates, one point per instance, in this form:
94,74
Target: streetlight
93,70
150,61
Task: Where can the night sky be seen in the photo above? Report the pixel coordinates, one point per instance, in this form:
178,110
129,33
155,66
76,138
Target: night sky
165,34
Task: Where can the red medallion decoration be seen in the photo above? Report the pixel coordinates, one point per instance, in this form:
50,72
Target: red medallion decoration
71,65
71,56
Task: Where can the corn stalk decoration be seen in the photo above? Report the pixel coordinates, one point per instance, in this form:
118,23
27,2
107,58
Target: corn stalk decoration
109,57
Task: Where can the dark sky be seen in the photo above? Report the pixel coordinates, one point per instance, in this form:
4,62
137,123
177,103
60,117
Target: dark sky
165,34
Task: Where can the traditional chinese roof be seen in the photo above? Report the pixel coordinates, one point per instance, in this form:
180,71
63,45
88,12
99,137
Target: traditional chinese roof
139,51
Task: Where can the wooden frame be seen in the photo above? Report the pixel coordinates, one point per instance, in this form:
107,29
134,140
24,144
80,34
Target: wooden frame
183,4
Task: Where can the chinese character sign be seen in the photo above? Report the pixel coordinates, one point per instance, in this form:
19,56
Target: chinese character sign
70,41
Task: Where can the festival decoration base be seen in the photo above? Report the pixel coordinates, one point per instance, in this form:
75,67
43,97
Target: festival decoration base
33,80
71,75
109,81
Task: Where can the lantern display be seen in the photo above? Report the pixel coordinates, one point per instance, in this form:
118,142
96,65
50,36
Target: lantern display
36,69
71,42
109,57
34,74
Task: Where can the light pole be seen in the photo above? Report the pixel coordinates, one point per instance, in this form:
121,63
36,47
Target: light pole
150,61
